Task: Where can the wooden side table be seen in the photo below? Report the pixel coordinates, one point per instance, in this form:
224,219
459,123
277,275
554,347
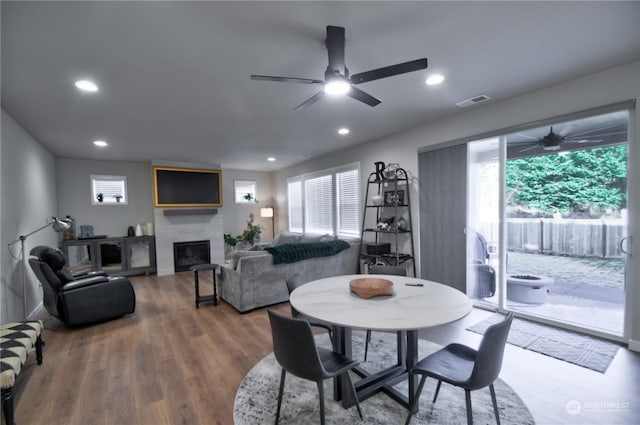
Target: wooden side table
203,298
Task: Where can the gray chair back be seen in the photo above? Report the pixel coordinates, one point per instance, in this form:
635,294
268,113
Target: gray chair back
392,270
295,348
490,354
293,282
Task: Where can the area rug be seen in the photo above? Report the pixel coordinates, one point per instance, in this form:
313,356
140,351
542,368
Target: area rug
572,347
256,398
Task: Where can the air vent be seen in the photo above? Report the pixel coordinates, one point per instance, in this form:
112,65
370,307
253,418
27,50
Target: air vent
473,100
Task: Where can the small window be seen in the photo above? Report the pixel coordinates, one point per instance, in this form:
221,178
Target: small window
109,190
245,191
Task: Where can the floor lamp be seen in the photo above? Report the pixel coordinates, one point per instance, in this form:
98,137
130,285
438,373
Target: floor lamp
59,225
267,212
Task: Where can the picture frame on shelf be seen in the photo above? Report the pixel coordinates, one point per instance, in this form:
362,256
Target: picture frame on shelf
394,197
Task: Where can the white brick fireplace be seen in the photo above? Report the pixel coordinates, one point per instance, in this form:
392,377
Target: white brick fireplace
185,225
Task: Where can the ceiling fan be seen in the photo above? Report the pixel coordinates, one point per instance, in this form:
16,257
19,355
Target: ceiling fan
336,77
552,141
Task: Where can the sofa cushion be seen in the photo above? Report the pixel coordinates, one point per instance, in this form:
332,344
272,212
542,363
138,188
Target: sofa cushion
286,237
307,238
237,255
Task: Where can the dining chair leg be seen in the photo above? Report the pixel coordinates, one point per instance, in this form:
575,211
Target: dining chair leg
282,376
367,339
321,392
416,399
495,404
355,394
435,396
467,396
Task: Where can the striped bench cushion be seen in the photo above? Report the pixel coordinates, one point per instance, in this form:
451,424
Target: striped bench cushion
16,340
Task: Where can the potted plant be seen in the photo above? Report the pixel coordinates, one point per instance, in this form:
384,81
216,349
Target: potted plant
118,197
229,245
252,232
100,197
230,240
249,198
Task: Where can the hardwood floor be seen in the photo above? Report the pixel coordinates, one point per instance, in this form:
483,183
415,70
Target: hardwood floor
170,363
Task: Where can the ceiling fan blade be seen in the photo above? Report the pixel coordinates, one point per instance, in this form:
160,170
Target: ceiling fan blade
585,141
285,79
566,130
595,130
313,99
529,148
335,49
389,71
527,136
363,97
599,135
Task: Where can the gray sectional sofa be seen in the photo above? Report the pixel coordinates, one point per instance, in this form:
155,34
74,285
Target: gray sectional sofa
252,280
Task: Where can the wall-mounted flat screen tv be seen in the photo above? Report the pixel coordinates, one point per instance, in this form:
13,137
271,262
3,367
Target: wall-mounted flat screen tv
186,187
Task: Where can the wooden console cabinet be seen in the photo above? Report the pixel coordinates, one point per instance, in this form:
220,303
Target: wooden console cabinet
120,256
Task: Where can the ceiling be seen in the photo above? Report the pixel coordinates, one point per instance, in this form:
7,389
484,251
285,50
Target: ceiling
174,76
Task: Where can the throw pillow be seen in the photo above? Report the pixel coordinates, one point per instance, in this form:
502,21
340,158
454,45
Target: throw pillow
240,254
286,237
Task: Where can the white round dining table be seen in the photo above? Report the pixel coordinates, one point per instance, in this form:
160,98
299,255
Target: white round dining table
414,304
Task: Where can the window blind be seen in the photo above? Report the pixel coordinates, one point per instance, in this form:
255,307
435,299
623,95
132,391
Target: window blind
319,204
295,206
348,188
326,202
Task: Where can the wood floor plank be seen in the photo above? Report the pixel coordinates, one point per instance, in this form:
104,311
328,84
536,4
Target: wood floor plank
170,363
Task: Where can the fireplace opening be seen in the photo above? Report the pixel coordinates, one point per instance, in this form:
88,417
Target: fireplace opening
187,254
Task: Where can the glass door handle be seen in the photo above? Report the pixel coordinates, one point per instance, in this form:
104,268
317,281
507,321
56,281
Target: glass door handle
621,245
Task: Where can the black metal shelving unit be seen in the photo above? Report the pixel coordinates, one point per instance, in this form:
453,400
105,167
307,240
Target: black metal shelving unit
387,196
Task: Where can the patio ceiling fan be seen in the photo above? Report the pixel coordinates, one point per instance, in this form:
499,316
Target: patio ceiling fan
552,141
336,76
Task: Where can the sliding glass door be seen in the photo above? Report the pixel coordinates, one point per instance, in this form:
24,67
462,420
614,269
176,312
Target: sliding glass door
547,221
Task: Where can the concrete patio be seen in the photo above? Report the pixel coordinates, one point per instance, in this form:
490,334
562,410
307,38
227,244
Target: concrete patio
587,292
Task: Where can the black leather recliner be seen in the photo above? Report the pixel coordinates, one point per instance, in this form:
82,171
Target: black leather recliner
84,299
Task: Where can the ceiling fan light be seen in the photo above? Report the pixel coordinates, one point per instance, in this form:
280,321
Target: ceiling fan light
434,79
86,85
337,87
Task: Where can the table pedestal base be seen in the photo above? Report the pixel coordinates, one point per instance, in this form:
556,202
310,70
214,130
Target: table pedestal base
381,381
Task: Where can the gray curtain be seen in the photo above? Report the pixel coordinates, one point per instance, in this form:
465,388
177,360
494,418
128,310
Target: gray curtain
443,198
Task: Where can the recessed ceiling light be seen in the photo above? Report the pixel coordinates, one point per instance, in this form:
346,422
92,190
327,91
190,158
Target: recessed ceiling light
343,131
86,85
434,79
100,143
271,159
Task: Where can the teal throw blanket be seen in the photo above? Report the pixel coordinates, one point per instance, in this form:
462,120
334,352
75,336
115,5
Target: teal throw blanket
292,252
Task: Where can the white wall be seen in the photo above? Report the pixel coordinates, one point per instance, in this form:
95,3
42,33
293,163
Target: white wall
28,197
236,215
73,178
603,88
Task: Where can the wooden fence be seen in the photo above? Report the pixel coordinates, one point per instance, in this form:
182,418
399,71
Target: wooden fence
571,237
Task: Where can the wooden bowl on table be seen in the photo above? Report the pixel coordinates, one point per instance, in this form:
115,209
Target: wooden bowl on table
369,287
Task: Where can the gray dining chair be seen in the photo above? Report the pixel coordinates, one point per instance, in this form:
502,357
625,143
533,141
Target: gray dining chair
464,367
297,353
381,269
293,282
